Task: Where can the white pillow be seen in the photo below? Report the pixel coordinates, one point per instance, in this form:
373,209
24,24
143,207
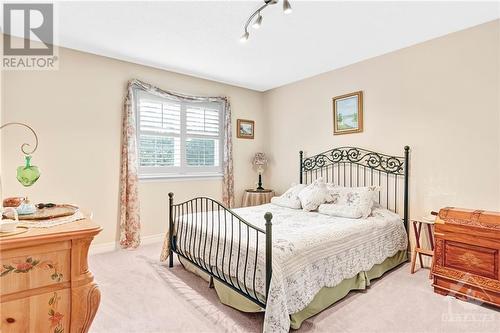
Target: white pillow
340,211
351,202
290,198
313,195
330,187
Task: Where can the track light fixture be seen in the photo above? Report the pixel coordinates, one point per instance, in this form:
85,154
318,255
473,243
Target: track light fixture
258,22
287,9
244,37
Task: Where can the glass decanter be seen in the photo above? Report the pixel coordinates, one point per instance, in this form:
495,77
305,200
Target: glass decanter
28,174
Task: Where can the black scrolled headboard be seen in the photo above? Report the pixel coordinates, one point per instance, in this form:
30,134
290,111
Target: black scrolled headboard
353,167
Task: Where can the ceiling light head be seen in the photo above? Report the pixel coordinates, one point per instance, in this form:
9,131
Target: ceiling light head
258,22
244,37
287,9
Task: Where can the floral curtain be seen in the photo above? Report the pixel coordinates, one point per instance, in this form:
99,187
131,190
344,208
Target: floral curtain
228,183
228,180
130,221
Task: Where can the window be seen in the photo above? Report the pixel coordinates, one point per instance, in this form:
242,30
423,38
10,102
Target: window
178,138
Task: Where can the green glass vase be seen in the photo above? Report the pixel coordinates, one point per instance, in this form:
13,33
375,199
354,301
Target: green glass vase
28,174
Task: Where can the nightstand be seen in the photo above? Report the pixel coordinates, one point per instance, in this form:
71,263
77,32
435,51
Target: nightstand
418,249
256,197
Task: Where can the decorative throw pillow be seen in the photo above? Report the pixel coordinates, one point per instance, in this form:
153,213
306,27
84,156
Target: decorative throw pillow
313,195
351,202
290,198
340,211
330,187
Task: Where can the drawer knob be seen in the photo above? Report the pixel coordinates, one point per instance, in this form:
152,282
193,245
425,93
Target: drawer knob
10,320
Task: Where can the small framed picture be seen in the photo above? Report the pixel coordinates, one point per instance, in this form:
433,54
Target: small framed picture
348,113
245,129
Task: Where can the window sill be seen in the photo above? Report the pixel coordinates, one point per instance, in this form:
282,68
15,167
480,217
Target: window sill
173,177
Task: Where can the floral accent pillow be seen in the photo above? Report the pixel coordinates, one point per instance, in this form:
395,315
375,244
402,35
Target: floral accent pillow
330,187
314,195
290,198
350,202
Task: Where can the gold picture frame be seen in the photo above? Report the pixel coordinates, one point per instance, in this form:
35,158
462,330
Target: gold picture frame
348,113
245,129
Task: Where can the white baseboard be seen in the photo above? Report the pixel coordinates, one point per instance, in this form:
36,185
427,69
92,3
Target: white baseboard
150,239
103,248
113,246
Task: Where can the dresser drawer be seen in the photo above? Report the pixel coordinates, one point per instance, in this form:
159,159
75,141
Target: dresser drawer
49,312
34,267
481,261
465,291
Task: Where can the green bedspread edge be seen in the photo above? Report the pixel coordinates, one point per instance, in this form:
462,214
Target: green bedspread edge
323,299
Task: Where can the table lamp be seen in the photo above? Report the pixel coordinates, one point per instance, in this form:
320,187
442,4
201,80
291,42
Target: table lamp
260,161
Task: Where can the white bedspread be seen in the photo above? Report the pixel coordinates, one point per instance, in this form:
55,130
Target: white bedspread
310,251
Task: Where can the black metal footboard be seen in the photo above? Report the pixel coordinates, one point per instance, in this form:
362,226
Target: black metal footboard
222,244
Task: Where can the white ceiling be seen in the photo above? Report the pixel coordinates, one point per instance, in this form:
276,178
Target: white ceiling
201,38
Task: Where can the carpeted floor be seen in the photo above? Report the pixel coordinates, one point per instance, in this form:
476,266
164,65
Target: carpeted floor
140,295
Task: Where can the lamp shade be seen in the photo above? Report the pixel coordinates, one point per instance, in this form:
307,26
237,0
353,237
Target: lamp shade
259,159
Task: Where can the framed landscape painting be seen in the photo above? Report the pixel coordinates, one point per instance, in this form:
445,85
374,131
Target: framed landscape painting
245,129
348,113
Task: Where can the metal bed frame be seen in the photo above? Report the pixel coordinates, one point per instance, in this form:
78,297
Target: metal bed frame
344,166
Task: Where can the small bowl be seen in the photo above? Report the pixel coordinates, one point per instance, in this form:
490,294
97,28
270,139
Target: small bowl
26,209
8,225
13,201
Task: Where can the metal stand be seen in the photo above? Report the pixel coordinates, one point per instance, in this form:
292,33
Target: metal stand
24,145
23,148
260,183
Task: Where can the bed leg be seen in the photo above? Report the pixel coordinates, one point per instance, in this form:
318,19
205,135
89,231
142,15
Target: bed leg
269,246
170,229
301,157
211,282
406,209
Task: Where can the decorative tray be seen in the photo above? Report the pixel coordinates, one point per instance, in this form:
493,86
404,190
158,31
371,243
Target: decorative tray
47,213
19,230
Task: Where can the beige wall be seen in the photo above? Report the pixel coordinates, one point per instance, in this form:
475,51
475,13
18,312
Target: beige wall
440,97
77,113
1,122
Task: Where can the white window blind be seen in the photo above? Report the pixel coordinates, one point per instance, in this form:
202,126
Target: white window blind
177,139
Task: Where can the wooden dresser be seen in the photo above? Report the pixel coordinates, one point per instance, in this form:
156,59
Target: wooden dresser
45,284
467,255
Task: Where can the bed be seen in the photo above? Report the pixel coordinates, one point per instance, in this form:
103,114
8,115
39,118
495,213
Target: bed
292,263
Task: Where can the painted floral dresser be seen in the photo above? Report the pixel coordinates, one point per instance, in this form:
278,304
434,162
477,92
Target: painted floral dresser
45,283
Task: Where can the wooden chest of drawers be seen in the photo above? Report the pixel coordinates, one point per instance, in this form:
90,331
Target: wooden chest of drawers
45,284
467,255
